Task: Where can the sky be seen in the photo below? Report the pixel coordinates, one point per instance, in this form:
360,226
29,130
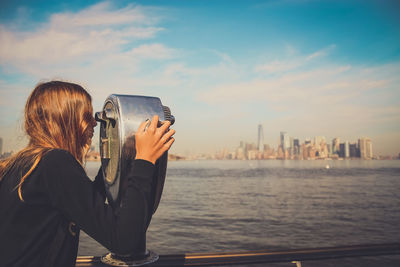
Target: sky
307,67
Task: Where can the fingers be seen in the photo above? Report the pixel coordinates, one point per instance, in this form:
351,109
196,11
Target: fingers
166,137
153,125
168,144
165,147
142,126
165,126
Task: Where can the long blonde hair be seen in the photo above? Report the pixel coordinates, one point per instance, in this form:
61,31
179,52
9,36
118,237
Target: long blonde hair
57,115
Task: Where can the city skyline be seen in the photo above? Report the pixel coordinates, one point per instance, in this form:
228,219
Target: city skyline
290,147
286,142
284,138
223,67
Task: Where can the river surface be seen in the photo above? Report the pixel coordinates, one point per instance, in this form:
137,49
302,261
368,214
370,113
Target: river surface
210,206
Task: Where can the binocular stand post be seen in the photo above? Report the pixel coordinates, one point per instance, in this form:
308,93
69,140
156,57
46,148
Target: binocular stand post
119,121
140,258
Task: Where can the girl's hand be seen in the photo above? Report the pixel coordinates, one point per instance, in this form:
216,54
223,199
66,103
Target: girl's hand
153,141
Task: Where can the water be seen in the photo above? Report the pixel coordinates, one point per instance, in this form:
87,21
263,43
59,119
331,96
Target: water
210,206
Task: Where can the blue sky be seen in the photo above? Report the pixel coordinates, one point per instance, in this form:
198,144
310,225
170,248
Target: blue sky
307,67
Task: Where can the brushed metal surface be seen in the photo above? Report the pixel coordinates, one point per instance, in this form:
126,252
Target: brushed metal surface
119,121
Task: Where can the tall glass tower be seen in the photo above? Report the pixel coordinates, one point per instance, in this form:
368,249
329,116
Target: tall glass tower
365,145
285,141
260,140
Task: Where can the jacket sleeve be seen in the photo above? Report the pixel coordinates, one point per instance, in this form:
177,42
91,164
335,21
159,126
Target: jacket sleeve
98,184
72,192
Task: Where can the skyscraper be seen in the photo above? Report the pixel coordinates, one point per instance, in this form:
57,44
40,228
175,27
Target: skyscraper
341,150
354,151
319,141
260,140
296,146
329,148
335,145
346,149
296,142
365,145
285,141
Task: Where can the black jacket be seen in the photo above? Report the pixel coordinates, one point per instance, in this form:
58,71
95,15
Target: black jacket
59,200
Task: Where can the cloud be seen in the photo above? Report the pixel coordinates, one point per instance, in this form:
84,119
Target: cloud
152,51
10,96
82,38
282,89
101,15
292,61
277,66
321,53
315,87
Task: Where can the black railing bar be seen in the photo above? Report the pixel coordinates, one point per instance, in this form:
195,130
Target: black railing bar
263,256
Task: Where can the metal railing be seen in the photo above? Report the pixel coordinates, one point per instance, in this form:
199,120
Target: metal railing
262,256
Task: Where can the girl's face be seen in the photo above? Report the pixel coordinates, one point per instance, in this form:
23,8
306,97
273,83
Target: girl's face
90,130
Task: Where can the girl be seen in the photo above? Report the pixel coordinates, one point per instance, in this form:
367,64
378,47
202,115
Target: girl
46,196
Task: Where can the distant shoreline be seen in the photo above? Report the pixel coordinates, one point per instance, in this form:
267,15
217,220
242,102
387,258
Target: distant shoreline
181,158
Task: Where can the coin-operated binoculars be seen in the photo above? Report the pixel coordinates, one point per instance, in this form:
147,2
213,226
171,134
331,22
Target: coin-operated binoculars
119,121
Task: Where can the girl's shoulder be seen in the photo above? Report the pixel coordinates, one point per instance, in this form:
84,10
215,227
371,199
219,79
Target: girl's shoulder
58,155
59,160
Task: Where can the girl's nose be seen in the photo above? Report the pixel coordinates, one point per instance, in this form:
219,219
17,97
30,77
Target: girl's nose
94,122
